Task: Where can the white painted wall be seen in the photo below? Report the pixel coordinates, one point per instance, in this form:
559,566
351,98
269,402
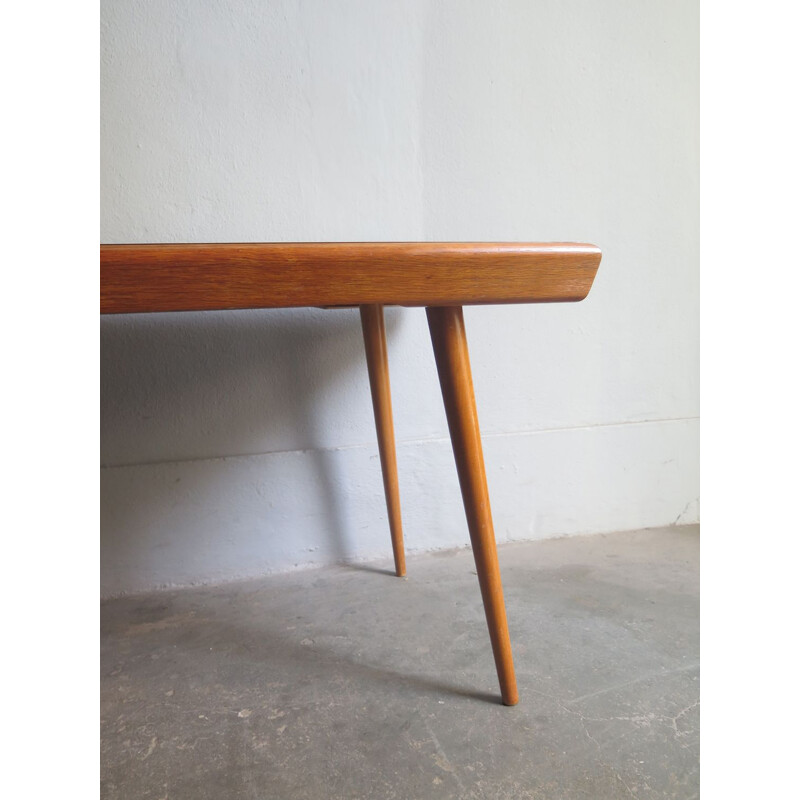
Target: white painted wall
239,443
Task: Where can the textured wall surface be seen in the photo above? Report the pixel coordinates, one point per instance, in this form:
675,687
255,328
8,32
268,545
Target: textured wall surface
238,443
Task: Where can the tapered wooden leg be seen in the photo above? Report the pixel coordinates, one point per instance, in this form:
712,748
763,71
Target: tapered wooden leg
378,367
452,361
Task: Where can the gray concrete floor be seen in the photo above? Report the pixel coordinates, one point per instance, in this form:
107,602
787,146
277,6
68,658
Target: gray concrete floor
348,682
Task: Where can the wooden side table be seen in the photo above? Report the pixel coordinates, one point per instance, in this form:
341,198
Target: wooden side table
443,277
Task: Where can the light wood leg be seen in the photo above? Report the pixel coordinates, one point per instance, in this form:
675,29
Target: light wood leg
378,367
452,361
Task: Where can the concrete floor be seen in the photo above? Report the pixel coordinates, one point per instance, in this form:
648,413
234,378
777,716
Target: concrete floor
349,683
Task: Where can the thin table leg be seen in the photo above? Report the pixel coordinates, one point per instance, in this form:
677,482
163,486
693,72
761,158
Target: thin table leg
378,367
452,362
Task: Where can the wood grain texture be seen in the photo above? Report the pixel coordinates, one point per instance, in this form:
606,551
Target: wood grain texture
374,330
455,377
195,277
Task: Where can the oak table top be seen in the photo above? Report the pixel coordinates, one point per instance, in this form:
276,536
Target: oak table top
196,277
